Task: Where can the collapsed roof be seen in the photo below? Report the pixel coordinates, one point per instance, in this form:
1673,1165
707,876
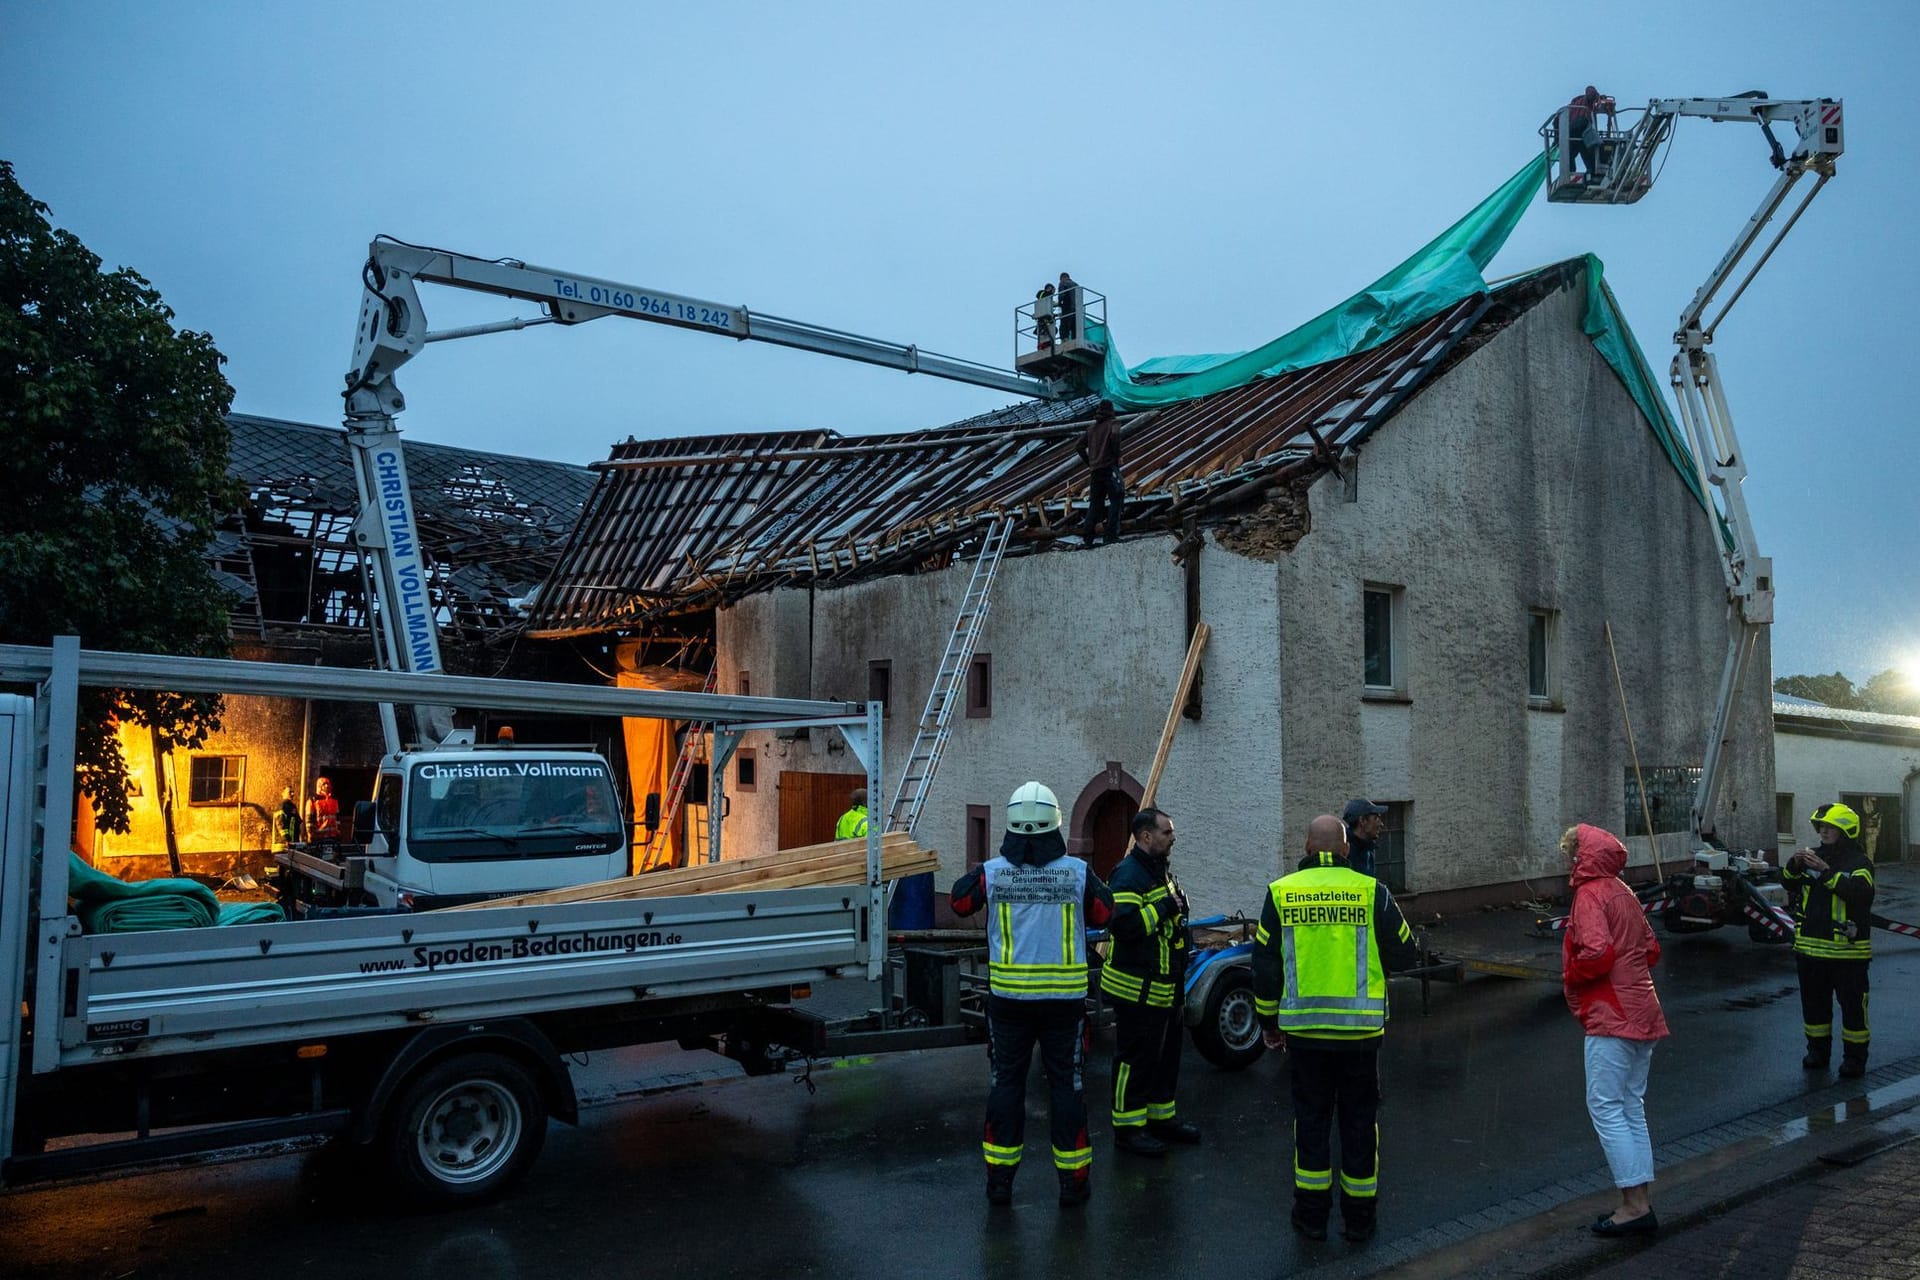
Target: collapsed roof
491,527
674,526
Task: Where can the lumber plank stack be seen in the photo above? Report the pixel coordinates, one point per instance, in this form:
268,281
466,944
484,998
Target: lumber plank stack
835,862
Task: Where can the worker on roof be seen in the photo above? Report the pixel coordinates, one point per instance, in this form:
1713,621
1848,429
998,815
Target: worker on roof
1583,125
1100,446
1327,937
1830,888
1067,298
1043,318
853,823
1040,903
1145,978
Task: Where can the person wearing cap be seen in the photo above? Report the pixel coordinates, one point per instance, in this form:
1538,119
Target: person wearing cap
286,822
1830,889
1583,125
1100,446
1365,821
1040,903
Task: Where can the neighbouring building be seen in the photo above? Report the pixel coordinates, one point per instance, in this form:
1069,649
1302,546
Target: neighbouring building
1864,759
1411,560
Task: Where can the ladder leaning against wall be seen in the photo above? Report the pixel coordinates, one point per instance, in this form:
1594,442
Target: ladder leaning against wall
936,722
690,752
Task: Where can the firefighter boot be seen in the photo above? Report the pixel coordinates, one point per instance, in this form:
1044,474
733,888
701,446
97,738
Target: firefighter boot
1853,1064
1000,1183
1818,1051
1075,1187
1136,1139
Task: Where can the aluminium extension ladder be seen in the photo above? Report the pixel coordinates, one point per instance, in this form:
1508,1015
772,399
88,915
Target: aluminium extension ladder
936,722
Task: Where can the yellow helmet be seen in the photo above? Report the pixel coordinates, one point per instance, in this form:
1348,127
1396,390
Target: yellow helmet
1838,816
1033,810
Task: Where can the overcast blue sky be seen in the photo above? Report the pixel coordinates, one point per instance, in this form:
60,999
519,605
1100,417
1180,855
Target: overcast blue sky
1221,171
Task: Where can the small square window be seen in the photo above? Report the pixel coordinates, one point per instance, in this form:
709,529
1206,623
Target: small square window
1383,611
215,779
979,833
1543,643
980,687
1391,850
745,771
880,684
1669,798
1783,814
746,684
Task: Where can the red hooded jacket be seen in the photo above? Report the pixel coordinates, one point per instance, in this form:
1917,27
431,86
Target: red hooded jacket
1608,955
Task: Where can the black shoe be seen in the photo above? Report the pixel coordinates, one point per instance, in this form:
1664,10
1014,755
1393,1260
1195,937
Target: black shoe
1645,1225
1000,1183
1852,1068
1817,1055
1311,1228
1136,1139
1184,1132
1076,1187
1358,1231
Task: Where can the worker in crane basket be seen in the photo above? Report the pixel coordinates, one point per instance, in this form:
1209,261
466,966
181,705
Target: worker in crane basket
1830,888
1040,903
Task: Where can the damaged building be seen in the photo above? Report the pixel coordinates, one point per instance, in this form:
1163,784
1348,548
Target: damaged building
1410,560
491,528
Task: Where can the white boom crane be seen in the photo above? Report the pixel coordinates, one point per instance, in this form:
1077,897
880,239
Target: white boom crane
1620,172
393,329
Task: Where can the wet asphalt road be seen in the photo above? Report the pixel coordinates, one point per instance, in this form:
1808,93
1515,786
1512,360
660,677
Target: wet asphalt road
878,1172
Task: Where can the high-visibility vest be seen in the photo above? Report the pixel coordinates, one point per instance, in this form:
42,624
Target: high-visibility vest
1334,985
1036,931
852,825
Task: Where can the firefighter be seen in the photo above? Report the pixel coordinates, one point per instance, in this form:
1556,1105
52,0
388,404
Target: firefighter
286,823
1041,903
1327,937
1144,977
1830,887
853,823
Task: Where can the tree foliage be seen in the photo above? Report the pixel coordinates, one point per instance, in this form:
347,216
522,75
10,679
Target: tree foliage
114,475
1890,692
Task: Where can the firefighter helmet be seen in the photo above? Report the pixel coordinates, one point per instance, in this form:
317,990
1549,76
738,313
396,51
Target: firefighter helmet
1838,816
1032,810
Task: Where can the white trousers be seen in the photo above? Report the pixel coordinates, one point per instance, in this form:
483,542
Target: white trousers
1616,1101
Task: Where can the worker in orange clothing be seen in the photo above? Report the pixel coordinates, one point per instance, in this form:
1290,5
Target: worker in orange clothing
323,813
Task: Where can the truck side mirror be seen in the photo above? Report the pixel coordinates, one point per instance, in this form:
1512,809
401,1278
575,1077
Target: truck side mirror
652,819
363,818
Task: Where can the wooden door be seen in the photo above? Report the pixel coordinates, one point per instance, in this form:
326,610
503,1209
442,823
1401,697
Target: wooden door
811,804
1108,831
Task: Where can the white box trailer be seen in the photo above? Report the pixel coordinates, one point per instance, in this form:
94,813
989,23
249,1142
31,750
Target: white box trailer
437,1039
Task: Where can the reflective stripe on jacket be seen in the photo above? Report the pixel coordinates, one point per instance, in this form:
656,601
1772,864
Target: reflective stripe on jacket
1036,932
1833,912
1320,953
1147,963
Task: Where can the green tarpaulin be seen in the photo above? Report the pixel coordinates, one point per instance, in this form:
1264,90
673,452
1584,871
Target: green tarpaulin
109,905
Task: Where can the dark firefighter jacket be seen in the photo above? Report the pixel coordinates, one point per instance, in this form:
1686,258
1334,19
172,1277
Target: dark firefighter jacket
1147,963
1833,910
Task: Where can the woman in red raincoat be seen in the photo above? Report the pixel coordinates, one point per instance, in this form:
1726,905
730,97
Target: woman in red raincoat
1607,961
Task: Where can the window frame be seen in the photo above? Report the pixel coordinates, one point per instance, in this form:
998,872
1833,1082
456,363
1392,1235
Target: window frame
1783,808
979,821
1396,620
1396,833
1549,695
883,668
980,686
746,771
232,786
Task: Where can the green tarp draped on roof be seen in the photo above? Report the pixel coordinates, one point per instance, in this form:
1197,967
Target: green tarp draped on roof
1442,273
1439,275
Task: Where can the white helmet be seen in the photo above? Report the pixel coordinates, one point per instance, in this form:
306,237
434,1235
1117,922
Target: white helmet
1033,810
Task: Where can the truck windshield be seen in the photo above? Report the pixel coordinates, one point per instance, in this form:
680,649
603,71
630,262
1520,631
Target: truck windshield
511,809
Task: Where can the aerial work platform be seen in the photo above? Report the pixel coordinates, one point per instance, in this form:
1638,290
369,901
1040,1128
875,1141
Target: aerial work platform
1055,343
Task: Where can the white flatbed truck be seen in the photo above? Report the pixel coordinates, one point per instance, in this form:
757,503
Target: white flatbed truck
434,1040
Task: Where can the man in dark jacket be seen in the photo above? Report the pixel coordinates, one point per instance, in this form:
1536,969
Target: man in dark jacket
1365,822
1830,889
1145,978
1042,901
1101,448
1327,938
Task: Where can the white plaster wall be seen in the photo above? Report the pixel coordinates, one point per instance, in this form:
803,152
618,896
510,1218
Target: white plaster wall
1087,647
1524,478
1815,769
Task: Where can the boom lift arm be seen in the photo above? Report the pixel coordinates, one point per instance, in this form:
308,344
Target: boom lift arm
393,329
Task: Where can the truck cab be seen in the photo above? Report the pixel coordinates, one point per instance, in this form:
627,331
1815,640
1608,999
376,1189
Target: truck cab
457,825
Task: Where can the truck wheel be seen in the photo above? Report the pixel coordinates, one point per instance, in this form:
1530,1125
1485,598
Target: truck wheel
465,1129
1228,1035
